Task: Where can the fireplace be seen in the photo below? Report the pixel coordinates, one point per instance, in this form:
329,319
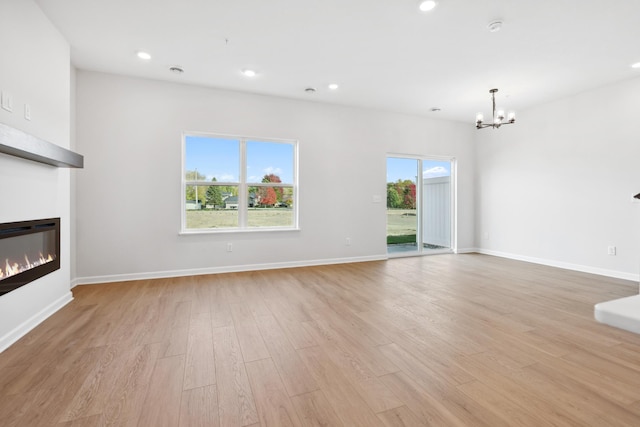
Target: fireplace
28,250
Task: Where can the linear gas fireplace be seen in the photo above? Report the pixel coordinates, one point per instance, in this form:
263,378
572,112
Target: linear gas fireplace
28,250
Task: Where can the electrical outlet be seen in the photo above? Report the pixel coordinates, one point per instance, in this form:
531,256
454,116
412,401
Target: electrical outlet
229,247
611,250
27,112
348,242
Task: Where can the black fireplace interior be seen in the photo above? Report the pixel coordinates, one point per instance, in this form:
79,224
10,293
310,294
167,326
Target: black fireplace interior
28,250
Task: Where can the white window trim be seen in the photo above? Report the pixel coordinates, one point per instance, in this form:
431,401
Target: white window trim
242,186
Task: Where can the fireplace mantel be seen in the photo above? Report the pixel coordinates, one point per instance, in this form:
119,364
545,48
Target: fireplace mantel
21,144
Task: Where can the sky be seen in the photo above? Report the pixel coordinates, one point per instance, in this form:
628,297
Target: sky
398,168
220,158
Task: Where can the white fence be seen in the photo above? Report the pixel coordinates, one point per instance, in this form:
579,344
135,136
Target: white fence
436,205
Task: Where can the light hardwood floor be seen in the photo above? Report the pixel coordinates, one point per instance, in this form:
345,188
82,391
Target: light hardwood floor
446,340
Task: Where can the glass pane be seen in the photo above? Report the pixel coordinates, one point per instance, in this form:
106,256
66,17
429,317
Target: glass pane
436,205
402,221
211,206
269,162
270,207
212,159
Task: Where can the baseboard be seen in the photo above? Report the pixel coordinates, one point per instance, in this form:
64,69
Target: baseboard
91,280
22,329
565,265
466,250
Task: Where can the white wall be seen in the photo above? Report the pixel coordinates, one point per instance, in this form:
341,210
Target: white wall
555,187
35,70
73,146
128,195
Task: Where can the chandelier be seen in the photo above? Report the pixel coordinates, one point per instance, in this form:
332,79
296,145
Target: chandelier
498,117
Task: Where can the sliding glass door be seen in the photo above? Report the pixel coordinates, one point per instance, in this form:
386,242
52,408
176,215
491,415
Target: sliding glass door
402,218
419,205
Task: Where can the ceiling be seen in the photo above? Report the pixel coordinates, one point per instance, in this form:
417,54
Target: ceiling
384,54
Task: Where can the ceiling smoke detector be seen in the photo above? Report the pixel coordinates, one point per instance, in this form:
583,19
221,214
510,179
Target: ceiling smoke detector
176,69
435,109
495,26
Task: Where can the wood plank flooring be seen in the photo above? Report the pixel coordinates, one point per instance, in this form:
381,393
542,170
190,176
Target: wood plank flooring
446,340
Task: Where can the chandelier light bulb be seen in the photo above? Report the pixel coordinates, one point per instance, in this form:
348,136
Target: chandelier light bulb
479,118
512,116
500,114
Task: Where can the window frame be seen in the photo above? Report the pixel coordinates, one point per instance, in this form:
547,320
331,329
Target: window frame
242,184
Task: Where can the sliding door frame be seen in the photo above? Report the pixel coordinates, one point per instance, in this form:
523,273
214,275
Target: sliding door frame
420,215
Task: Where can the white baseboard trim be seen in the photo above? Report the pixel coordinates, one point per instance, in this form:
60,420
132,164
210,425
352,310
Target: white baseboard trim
91,280
466,250
22,329
565,265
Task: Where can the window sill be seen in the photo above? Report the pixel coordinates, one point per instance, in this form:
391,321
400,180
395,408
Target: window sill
236,230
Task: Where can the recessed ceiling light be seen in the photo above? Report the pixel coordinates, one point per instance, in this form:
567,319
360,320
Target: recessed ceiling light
333,86
143,55
636,65
427,5
176,69
310,90
249,73
435,109
495,26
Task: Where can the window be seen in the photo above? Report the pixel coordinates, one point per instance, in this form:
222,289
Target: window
238,183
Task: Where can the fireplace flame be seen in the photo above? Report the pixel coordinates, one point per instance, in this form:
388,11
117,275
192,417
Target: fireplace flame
11,268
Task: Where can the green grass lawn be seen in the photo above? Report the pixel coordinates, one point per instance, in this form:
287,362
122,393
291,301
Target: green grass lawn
228,218
398,240
401,223
402,226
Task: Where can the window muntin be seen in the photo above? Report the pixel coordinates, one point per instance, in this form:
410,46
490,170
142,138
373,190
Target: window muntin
232,184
